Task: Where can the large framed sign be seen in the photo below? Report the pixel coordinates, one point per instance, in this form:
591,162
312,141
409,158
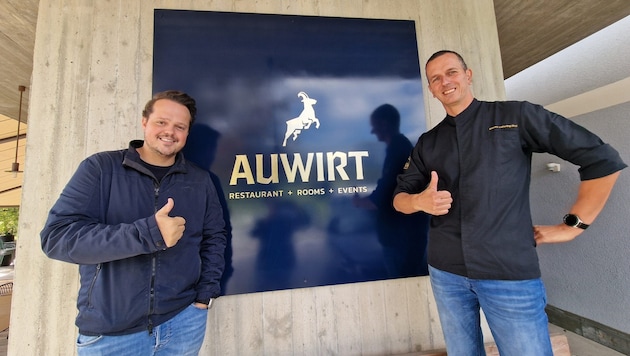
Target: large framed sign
284,107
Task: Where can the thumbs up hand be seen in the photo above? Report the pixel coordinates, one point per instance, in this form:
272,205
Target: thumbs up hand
432,200
171,228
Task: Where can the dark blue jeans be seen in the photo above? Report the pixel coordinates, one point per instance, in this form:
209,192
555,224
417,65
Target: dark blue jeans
182,335
515,311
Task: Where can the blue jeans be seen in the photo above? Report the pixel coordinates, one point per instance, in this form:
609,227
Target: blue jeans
515,311
182,335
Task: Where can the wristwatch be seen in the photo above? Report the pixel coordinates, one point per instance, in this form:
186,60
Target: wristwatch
574,221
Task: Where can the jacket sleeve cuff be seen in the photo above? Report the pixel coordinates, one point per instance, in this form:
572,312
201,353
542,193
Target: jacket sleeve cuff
156,235
204,297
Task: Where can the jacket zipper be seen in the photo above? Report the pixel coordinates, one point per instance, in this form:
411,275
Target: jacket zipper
152,294
156,193
98,270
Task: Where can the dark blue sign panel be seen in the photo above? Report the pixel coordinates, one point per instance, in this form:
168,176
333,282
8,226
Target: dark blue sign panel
289,126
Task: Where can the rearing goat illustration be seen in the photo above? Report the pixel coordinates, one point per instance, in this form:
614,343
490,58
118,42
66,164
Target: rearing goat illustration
302,122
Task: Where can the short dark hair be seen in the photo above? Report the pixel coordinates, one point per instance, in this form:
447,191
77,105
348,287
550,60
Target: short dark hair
388,114
176,96
443,52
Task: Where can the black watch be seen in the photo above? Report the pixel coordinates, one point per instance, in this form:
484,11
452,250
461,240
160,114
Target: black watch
574,221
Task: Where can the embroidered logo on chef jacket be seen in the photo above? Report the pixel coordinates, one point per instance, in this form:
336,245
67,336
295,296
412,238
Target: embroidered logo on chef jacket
503,127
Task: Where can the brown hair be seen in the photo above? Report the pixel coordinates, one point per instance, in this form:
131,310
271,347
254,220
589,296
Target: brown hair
176,96
443,52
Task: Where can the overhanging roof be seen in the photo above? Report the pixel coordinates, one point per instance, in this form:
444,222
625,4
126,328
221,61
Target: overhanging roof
10,183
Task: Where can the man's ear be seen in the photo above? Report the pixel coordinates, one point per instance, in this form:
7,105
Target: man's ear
469,75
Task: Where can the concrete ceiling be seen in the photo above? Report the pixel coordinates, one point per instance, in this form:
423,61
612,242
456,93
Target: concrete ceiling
591,74
529,31
532,30
17,38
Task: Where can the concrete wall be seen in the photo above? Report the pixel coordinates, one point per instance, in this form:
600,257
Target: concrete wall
92,75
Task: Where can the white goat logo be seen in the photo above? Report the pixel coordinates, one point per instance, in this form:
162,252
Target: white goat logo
302,122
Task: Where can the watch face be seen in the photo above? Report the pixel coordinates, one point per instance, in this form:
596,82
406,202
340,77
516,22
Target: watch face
571,220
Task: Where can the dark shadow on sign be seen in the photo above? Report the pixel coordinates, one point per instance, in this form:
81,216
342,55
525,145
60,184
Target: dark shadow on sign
403,237
276,257
201,147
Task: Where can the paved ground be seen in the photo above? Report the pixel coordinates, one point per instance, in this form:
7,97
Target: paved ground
581,346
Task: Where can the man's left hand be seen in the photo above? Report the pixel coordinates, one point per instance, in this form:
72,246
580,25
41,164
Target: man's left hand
549,234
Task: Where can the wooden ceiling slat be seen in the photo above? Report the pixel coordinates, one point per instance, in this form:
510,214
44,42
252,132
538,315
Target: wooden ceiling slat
532,30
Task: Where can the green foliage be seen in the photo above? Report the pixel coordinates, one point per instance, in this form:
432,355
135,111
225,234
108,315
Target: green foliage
9,220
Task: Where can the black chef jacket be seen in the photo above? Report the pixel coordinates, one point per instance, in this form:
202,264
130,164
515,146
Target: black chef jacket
483,158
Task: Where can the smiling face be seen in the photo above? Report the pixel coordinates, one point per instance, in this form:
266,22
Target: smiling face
450,82
165,132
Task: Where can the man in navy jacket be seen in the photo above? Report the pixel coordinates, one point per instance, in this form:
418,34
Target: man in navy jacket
146,228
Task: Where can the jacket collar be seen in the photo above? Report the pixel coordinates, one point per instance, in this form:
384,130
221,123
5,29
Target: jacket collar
132,159
464,115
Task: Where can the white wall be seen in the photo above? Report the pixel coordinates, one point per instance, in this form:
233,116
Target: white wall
91,77
588,82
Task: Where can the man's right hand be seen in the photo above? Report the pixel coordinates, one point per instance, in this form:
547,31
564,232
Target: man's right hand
431,200
171,228
434,201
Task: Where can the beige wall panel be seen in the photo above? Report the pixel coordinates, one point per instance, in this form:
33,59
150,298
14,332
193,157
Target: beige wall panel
340,8
113,117
277,316
300,7
424,330
92,75
41,304
144,63
126,95
397,315
483,63
260,6
346,317
327,316
467,27
398,10
236,326
371,308
305,341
